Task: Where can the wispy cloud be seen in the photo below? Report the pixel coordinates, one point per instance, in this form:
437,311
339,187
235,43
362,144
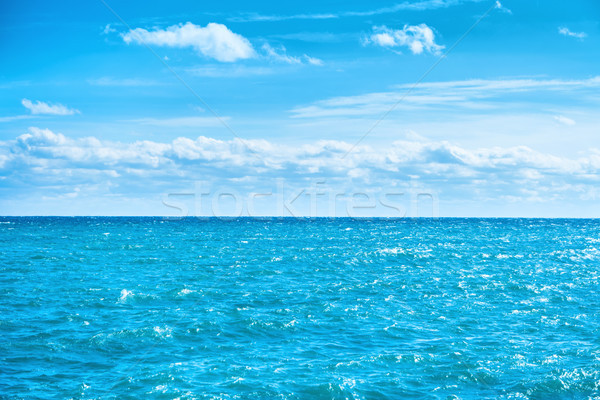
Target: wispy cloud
180,122
256,17
465,94
404,6
313,60
40,107
567,32
564,120
230,71
280,55
15,118
109,81
315,37
418,38
213,41
108,29
501,7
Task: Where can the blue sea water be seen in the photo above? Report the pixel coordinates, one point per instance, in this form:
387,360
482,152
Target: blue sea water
150,308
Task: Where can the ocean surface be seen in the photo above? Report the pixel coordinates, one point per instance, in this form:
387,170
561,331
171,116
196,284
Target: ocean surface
151,308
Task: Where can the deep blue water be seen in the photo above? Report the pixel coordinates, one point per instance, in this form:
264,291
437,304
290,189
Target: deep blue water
147,308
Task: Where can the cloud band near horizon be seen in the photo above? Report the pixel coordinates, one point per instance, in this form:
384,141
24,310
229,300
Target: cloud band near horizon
58,164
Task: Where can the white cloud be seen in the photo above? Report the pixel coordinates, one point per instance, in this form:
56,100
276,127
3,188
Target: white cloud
313,60
42,164
15,118
214,40
40,107
501,7
181,122
315,36
407,5
280,55
564,120
469,94
566,32
108,29
109,81
230,71
418,38
46,158
255,17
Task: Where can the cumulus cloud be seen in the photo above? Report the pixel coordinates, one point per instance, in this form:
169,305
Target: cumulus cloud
214,40
567,32
418,38
45,158
40,107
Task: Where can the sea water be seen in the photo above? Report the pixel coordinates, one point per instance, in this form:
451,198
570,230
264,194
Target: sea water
152,308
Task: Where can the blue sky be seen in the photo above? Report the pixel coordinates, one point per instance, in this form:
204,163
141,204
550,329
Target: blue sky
472,108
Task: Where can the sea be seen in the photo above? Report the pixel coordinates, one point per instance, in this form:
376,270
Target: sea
292,308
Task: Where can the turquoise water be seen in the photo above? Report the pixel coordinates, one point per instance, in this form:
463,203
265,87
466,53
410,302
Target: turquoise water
147,308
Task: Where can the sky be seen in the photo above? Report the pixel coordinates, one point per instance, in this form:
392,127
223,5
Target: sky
451,108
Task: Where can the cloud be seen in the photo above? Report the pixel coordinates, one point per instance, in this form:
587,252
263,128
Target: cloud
39,107
404,6
230,71
280,55
255,17
566,32
181,122
501,7
315,37
564,120
469,94
418,38
15,118
214,40
42,158
108,81
313,60
108,29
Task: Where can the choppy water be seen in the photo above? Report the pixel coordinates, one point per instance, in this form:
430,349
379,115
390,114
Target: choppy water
289,309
